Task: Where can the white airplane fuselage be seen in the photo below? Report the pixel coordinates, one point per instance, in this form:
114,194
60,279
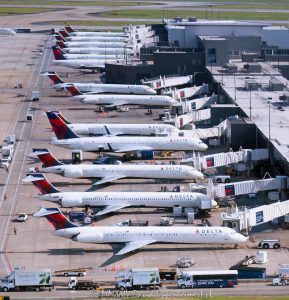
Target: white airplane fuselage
92,56
81,39
147,100
94,34
177,172
95,44
127,199
110,88
100,50
128,143
121,129
173,234
83,63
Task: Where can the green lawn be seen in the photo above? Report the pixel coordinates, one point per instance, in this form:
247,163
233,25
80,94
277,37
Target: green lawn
4,11
159,14
74,3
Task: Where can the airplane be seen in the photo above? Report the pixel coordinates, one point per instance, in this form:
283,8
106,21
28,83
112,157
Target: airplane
91,64
67,138
113,201
71,32
110,44
136,237
138,89
109,173
111,100
60,37
122,51
92,129
60,54
7,31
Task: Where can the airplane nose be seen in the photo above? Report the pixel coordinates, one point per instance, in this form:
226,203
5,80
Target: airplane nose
198,174
241,238
203,147
214,203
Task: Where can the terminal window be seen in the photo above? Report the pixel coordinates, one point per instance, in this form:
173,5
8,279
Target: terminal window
211,56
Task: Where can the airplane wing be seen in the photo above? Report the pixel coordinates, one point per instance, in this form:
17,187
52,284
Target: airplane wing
115,104
111,208
108,179
131,246
127,149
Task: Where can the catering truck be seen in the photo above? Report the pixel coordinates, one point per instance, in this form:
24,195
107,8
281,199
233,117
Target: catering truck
138,278
21,279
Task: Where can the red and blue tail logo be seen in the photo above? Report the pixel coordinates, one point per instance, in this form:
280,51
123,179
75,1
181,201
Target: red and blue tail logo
55,78
73,90
61,44
55,218
68,29
59,37
58,54
42,184
61,130
47,159
63,33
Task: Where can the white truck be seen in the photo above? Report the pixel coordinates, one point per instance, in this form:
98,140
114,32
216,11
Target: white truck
21,280
138,278
35,95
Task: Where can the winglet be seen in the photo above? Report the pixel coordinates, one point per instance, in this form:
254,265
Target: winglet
107,131
110,148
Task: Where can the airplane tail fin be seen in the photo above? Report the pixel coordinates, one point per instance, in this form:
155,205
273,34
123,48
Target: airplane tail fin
59,37
58,53
54,77
73,90
60,128
47,159
62,117
60,44
55,218
69,29
63,33
41,183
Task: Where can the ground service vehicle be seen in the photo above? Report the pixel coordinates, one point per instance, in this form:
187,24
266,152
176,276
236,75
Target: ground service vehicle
280,281
35,95
21,280
138,278
269,244
82,284
208,279
71,272
222,178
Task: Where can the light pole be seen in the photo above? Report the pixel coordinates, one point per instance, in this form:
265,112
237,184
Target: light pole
250,107
269,123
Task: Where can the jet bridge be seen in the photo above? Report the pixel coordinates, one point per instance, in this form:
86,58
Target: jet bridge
188,118
189,92
167,82
224,159
242,220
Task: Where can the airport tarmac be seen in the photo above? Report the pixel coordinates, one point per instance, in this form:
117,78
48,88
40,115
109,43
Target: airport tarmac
33,247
